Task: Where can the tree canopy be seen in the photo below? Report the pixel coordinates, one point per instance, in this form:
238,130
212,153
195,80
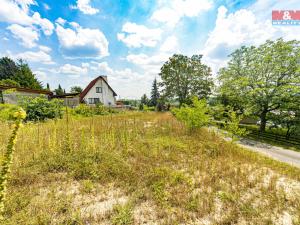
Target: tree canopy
183,77
264,78
18,73
76,89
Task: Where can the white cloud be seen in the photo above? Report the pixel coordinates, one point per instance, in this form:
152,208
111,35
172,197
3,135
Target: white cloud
45,24
170,44
243,27
41,75
27,35
82,42
17,12
102,68
45,48
170,12
35,57
73,70
60,21
74,24
85,7
46,6
146,61
134,35
11,12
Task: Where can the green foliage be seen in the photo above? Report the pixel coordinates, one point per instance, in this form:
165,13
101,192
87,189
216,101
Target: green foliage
85,110
7,111
183,77
262,78
76,89
8,68
195,116
19,116
18,72
59,90
9,82
154,94
123,214
232,125
41,109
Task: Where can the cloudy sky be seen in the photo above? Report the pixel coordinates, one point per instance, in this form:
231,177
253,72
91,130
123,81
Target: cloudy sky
72,41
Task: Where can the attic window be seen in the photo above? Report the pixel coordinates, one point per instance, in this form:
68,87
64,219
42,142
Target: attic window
98,89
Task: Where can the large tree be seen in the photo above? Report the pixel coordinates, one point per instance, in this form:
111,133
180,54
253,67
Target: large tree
262,78
18,72
183,77
25,77
154,94
8,68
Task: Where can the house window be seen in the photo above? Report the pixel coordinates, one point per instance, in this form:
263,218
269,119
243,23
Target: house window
94,100
98,89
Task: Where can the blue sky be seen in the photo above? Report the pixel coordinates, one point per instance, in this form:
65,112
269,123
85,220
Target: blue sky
71,42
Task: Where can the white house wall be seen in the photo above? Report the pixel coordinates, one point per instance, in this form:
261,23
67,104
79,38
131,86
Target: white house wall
106,97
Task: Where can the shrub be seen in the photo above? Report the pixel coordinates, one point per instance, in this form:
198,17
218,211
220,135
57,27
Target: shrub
41,109
195,116
85,110
233,125
7,111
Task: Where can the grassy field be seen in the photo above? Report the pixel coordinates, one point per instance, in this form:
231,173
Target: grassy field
142,168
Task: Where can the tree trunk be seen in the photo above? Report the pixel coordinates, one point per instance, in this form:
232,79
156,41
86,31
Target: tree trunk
263,121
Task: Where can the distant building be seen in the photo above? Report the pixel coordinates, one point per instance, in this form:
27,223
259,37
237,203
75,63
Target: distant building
70,99
98,91
11,94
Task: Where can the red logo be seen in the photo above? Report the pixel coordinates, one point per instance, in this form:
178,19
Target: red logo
285,15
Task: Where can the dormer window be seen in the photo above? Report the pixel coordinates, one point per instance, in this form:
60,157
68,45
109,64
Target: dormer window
98,89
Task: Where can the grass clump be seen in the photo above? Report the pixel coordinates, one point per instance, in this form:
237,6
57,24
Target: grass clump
122,214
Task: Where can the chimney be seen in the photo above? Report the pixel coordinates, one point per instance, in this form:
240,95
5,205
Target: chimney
104,77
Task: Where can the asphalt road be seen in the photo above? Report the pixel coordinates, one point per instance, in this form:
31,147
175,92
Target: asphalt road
278,153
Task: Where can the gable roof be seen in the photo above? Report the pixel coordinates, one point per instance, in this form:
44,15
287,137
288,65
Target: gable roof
28,90
91,84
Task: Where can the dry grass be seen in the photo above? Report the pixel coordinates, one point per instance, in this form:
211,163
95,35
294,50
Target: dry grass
143,168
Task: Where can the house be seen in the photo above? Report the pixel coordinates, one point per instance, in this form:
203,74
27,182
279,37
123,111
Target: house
11,94
98,91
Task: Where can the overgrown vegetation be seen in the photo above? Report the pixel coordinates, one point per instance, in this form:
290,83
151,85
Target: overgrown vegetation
41,109
142,168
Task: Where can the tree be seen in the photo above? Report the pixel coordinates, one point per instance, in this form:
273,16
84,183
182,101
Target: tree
154,94
262,78
288,117
25,77
9,82
144,102
8,68
48,87
195,116
59,90
18,72
183,77
76,89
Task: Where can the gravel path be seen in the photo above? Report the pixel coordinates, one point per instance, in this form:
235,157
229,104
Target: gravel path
278,153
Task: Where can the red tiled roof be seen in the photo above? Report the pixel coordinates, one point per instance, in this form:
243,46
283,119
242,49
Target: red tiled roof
91,84
28,90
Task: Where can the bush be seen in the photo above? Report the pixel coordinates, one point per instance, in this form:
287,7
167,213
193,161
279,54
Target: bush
233,125
7,111
41,109
195,116
85,110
